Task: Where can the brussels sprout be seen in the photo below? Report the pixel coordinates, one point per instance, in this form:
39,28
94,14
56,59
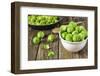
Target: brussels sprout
42,22
81,36
40,34
70,29
63,34
82,28
76,38
51,53
63,28
77,28
75,32
72,24
51,38
84,33
68,37
36,40
46,46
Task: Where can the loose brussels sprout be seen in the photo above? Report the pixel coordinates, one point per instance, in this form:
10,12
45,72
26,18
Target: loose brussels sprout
46,46
51,38
51,53
36,40
40,34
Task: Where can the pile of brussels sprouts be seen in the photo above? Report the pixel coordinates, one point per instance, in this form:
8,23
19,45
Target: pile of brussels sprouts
73,32
41,20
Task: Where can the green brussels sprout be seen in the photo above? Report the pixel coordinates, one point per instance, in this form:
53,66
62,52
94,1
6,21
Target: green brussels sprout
76,38
36,40
40,34
70,29
63,28
51,53
77,28
74,32
51,38
82,28
84,33
82,37
72,24
63,34
42,22
68,37
46,46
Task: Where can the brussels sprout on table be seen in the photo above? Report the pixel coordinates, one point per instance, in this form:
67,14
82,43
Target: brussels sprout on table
36,40
51,53
51,38
40,34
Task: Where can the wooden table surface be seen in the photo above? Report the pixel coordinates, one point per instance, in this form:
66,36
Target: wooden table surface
36,52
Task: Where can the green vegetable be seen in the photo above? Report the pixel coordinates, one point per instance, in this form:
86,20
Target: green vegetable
63,28
51,38
75,32
46,46
84,33
82,37
63,34
77,28
36,40
68,37
51,53
76,38
82,28
72,24
70,29
40,34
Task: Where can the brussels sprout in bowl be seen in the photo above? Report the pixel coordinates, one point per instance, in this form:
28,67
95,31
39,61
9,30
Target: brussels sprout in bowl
43,22
73,37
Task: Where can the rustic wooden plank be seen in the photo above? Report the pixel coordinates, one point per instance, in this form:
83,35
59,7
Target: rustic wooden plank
54,47
42,53
75,55
63,53
84,53
32,49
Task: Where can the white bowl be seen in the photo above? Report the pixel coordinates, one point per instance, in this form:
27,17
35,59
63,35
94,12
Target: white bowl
73,46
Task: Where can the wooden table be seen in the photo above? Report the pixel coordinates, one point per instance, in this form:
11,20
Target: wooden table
36,52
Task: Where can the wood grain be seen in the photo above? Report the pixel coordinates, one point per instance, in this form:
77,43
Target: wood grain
63,53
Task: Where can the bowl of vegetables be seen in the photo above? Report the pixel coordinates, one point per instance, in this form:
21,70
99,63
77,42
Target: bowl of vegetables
43,22
73,36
